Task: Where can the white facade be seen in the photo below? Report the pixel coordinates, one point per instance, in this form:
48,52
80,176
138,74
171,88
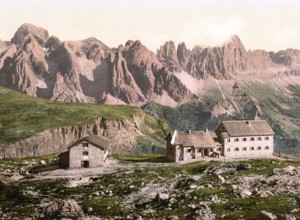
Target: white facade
232,139
250,146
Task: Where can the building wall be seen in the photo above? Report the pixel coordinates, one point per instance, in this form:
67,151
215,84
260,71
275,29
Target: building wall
96,156
248,147
188,153
171,152
64,160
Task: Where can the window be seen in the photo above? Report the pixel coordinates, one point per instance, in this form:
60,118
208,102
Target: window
236,140
228,149
244,139
266,138
258,148
259,138
244,149
85,153
85,146
228,139
236,149
252,139
251,148
266,147
210,150
219,149
189,150
199,150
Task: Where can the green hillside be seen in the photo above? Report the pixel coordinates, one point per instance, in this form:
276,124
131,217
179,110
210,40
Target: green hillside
22,116
280,106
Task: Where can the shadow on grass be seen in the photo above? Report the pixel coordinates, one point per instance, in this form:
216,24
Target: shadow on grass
39,169
140,158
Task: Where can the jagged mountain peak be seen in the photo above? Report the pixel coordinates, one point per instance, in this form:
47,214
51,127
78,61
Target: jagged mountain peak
88,70
133,43
140,55
53,42
39,33
167,54
94,41
234,41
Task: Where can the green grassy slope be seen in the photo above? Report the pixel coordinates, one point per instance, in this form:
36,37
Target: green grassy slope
281,107
22,116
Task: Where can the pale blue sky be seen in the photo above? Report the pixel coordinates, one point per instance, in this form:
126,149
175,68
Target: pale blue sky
268,24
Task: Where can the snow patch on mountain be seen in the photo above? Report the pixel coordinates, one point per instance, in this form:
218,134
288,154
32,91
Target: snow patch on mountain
192,84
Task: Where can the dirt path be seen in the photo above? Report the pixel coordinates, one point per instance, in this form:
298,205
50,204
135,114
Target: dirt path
113,166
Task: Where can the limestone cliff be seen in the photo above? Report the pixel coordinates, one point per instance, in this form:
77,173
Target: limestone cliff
122,134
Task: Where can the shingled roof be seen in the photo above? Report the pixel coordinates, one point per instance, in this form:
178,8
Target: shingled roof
198,139
98,141
247,128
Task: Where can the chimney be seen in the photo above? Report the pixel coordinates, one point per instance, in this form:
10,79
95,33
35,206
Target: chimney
189,132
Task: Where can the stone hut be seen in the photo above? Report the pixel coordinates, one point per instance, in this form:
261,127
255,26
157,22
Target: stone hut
188,145
90,151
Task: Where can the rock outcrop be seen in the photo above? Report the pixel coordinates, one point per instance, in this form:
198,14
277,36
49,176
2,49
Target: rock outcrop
201,212
168,56
122,134
67,208
85,71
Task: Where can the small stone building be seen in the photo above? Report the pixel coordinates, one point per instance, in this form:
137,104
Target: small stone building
90,151
189,145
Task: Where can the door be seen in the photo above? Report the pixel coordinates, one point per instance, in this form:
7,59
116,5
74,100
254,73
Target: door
85,164
181,154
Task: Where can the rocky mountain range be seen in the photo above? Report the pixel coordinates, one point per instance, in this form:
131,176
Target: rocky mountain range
89,71
189,88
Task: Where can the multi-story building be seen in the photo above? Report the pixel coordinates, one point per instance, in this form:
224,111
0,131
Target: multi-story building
236,139
248,138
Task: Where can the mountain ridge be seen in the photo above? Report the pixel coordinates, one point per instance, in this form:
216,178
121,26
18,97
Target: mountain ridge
89,71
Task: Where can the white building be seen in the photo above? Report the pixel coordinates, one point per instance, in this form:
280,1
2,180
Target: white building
236,139
248,138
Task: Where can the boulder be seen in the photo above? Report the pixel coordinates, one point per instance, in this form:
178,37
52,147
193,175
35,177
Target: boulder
69,208
287,217
245,193
245,166
163,196
264,215
42,162
202,211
